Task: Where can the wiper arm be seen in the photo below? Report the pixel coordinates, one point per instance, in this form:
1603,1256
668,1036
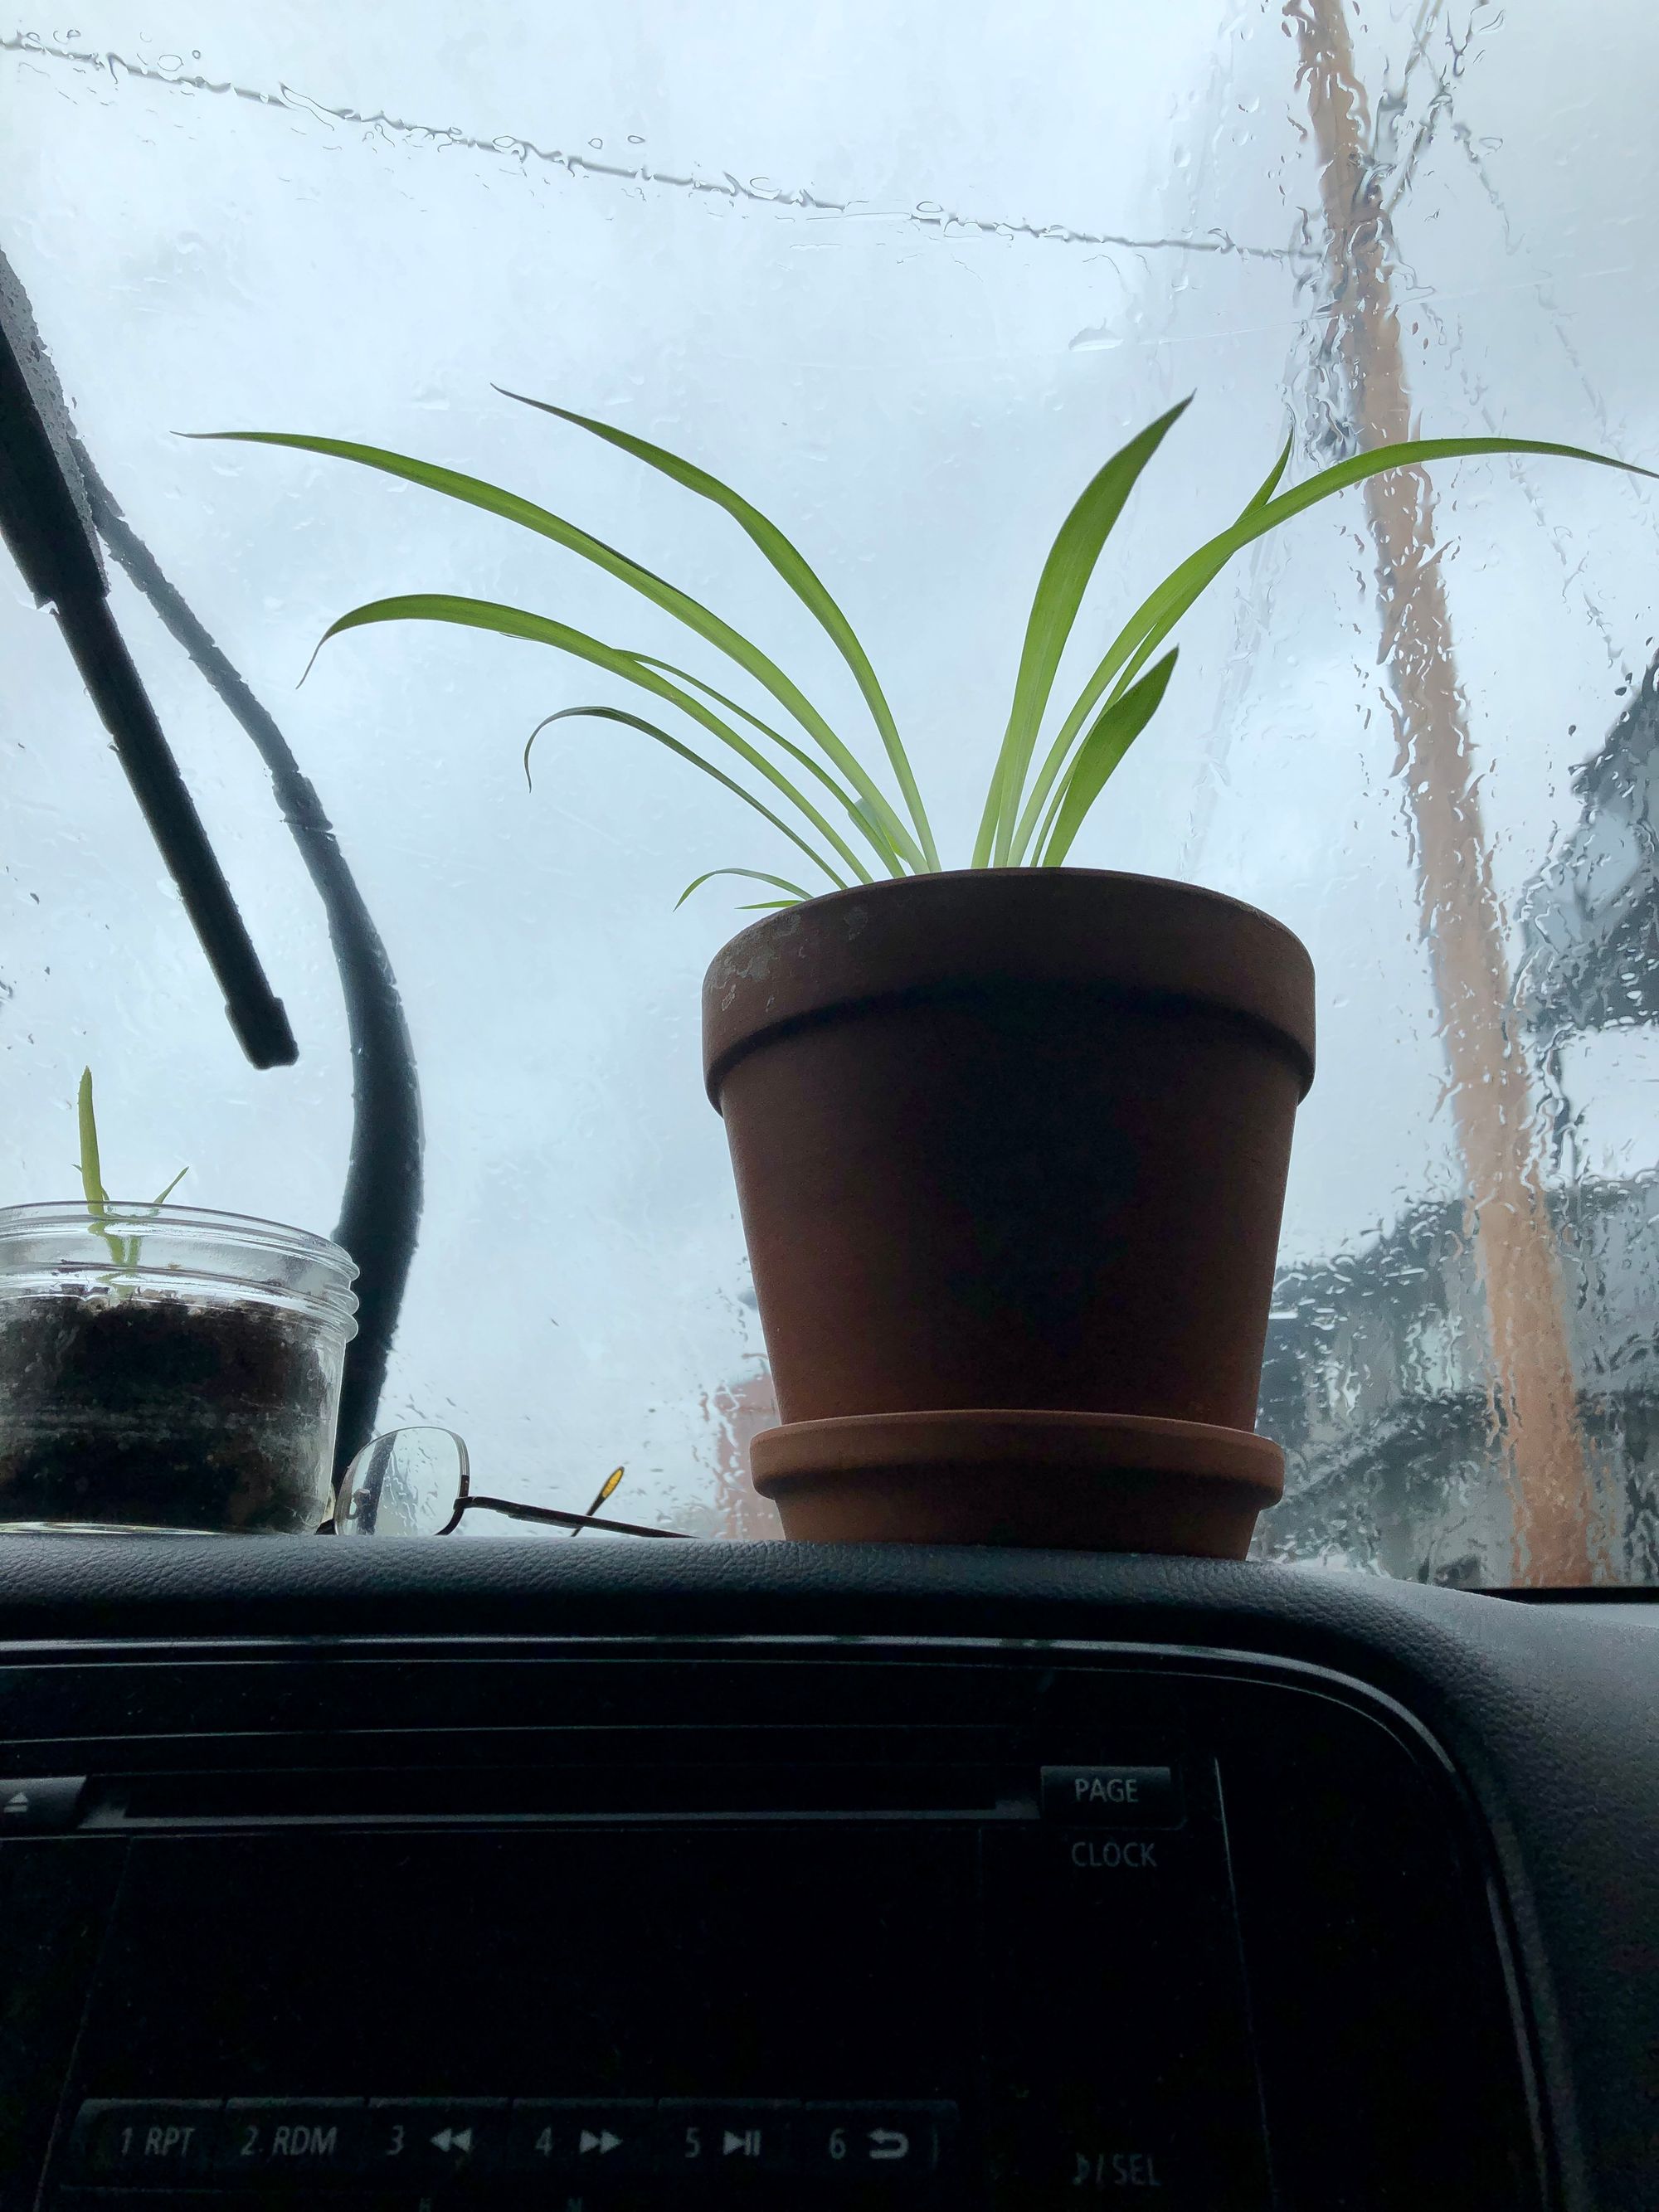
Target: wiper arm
46,522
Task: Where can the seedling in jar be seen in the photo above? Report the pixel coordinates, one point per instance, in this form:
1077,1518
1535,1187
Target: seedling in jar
124,1250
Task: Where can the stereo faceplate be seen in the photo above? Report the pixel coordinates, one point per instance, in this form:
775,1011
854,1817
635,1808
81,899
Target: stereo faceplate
828,1925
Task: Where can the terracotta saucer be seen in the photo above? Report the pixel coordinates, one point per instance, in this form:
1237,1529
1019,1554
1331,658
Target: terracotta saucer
1102,1482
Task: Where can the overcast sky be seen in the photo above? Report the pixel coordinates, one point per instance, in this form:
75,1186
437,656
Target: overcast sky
905,277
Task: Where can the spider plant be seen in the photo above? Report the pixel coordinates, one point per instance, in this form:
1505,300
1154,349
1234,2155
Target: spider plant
123,1251
834,811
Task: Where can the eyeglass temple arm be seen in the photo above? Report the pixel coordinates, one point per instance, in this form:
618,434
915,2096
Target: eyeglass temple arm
515,1512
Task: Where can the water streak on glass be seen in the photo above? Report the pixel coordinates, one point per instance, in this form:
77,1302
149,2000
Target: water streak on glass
906,288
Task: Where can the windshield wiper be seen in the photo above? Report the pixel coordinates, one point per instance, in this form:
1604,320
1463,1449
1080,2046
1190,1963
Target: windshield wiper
54,509
50,532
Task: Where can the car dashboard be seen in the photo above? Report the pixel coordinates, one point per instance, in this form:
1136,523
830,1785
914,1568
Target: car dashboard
421,1876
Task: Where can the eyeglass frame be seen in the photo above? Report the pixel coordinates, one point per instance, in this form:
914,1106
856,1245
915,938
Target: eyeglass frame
516,1509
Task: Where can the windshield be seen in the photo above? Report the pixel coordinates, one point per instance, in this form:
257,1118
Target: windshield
906,284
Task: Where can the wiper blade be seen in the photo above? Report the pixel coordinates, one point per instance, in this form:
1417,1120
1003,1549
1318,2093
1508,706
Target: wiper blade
46,522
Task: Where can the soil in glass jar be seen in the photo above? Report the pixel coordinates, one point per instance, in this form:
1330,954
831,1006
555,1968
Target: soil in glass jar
139,1411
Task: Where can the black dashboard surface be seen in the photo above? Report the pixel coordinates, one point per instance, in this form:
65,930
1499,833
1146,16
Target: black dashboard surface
1549,1713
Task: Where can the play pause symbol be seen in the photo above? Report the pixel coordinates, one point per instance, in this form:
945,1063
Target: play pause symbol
750,2136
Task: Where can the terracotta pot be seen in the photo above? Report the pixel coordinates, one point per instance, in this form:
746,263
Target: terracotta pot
1014,1141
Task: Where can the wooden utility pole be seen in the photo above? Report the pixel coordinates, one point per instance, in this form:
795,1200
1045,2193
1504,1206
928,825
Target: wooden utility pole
1555,1528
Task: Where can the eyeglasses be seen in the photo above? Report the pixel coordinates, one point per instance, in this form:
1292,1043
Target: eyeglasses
418,1482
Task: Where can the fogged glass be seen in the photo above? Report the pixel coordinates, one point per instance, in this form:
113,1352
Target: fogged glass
906,282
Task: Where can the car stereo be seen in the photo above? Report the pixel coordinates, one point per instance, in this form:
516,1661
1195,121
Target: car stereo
826,1927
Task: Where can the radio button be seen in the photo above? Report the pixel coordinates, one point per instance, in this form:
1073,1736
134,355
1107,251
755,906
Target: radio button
894,2143
421,2139
40,1801
144,2140
199,2196
1121,2168
280,2139
1090,2152
591,2138
1112,1796
738,2135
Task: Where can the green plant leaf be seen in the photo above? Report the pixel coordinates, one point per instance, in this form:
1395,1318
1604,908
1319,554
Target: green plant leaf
542,629
1159,613
473,491
755,876
1185,583
791,564
1065,574
1026,826
685,752
1114,731
1270,484
162,1197
92,1172
123,1251
860,812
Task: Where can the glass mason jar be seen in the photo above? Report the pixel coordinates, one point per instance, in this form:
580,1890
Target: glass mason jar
165,1368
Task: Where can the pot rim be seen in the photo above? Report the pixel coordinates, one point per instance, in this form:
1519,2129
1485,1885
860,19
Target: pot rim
1104,931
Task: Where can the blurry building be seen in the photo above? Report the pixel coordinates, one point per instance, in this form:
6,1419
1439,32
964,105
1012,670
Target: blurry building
1373,1375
